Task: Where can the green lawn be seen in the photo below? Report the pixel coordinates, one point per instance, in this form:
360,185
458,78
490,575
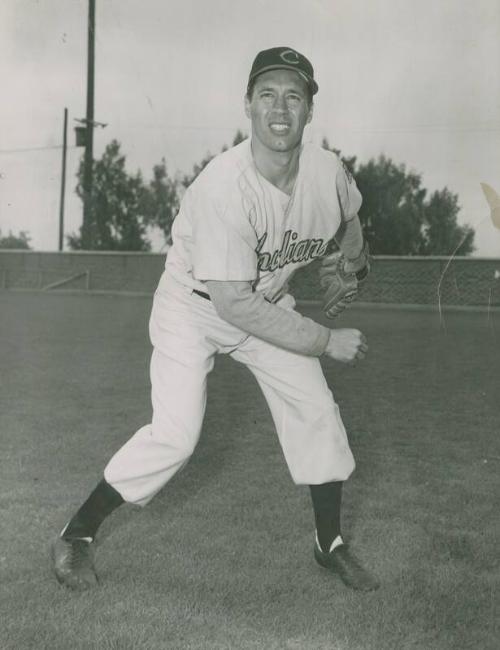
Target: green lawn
222,558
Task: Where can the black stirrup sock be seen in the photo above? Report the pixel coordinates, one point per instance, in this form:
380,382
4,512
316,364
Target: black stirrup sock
326,499
101,503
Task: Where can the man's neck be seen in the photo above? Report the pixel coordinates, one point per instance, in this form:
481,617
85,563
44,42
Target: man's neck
279,168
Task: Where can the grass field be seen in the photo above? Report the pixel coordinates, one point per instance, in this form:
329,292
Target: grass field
222,558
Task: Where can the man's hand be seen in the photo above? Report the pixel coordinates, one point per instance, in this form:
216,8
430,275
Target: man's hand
346,345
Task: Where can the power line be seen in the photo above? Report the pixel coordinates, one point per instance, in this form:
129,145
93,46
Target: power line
27,149
421,128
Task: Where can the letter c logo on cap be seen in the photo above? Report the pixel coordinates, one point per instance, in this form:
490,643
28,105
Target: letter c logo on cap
290,56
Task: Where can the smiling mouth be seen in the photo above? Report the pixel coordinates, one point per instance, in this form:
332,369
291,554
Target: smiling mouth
279,128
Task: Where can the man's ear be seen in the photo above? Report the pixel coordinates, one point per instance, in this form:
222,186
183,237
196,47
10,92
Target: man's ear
247,106
310,115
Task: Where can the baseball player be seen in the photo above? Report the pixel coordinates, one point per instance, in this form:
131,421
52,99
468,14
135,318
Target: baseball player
255,215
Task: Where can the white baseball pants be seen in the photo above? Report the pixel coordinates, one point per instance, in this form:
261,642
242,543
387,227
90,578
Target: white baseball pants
186,333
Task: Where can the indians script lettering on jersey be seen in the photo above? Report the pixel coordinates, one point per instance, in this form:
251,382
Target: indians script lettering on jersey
291,251
234,225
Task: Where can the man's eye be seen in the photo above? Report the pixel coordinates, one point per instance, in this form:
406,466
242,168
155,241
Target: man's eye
294,98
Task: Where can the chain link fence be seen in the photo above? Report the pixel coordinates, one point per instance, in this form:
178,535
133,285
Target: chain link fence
407,280
419,281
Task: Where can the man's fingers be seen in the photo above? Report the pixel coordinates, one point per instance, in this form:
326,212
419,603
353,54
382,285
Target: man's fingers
362,345
347,345
362,348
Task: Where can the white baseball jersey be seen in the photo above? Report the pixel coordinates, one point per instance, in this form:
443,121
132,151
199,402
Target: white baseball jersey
233,224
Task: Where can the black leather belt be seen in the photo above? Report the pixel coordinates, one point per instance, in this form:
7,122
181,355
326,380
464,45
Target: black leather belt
202,294
207,297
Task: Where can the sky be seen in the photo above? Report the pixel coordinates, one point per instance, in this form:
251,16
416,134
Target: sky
416,81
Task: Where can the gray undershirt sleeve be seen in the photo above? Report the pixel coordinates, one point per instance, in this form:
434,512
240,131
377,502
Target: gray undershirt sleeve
249,311
349,238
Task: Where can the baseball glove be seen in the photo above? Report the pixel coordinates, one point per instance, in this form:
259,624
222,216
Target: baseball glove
340,282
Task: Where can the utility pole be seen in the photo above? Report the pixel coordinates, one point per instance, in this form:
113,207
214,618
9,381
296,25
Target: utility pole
88,227
63,181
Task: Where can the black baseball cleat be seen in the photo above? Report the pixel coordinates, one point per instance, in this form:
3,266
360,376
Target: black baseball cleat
73,563
347,567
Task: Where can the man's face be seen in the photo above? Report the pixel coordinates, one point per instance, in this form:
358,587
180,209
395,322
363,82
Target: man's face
279,109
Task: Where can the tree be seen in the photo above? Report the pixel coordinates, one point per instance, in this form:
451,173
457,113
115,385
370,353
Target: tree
397,217
15,242
441,231
161,200
392,213
118,209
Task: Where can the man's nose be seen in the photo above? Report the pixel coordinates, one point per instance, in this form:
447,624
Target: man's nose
280,103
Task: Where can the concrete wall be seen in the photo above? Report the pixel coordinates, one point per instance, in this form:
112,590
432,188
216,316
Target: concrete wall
412,280
103,271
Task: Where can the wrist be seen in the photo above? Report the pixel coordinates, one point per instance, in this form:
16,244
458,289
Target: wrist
359,265
329,341
322,342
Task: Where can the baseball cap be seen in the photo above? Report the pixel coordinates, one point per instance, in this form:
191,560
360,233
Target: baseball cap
283,58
